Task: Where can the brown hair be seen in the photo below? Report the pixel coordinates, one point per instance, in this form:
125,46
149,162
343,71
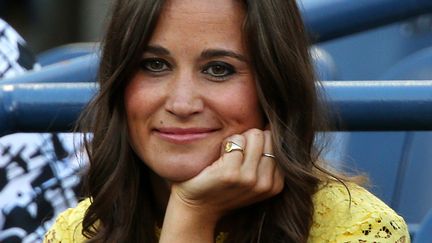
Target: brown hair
123,209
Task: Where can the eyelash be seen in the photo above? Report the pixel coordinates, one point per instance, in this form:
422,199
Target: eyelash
145,65
228,69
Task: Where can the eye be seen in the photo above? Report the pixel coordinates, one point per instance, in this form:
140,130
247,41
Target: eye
154,65
219,70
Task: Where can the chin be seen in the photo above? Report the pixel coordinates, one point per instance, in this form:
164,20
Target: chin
181,178
180,175
182,169
180,163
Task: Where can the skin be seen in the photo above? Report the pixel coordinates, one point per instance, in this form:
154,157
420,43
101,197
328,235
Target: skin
175,90
194,92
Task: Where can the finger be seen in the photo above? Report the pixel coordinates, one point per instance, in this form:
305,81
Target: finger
278,176
278,181
268,142
233,149
266,167
268,154
226,169
253,152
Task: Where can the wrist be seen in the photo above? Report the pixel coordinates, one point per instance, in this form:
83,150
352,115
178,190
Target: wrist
191,211
184,222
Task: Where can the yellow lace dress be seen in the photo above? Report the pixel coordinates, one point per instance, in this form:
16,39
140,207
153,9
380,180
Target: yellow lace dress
363,219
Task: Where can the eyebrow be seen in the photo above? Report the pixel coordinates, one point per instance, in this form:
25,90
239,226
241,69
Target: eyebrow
211,53
157,50
206,54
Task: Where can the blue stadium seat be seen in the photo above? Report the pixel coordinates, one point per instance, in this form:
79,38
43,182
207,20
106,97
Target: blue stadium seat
417,66
424,233
412,198
66,52
410,195
399,163
78,69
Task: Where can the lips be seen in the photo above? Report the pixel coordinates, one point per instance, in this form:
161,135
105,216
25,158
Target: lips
183,135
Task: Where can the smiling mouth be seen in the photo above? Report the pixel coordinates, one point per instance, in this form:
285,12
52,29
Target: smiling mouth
183,135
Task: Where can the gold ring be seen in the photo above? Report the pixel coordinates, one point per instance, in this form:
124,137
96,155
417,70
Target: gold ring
231,146
269,155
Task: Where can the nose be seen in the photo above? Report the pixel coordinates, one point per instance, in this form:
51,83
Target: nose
185,96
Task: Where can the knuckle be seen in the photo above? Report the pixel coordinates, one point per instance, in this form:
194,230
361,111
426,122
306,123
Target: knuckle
255,132
279,186
237,138
234,157
264,186
249,180
230,177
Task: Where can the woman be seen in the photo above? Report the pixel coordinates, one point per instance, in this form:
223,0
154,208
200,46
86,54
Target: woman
204,129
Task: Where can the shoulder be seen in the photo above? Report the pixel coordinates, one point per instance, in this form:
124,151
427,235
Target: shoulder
68,225
352,214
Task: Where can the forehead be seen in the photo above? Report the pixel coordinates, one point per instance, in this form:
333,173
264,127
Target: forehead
210,17
189,27
209,9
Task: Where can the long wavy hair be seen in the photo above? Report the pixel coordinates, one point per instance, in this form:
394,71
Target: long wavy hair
123,207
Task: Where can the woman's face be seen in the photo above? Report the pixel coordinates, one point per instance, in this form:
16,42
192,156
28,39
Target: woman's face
194,88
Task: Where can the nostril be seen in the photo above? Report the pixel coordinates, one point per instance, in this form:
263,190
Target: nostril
184,108
184,104
184,98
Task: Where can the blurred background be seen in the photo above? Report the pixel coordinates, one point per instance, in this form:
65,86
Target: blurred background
45,24
399,163
48,23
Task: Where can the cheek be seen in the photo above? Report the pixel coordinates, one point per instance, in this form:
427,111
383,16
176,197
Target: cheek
131,94
242,107
134,111
140,99
138,106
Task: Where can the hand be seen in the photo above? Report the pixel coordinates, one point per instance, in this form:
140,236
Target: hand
235,180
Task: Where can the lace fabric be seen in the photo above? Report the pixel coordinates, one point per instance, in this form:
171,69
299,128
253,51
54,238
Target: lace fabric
361,218
68,225
337,218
